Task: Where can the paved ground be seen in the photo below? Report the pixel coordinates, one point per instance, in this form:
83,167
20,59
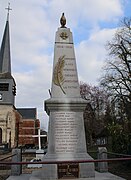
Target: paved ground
98,176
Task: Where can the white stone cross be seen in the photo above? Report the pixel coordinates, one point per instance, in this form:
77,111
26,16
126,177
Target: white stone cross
39,137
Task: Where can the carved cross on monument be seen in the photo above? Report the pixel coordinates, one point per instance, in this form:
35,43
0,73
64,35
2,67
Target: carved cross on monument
39,138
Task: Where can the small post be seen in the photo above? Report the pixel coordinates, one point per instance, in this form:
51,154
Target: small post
102,154
16,169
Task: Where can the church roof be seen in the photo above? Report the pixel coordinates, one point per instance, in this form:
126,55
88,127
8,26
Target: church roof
5,60
6,75
27,113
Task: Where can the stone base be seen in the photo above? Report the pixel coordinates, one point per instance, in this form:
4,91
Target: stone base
34,165
39,156
87,170
50,171
98,176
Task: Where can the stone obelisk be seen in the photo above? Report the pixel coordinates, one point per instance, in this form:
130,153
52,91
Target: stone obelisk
66,134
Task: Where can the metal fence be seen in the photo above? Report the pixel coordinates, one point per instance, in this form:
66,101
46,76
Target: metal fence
5,170
11,164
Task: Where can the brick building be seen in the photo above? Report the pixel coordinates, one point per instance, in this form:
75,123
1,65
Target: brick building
28,126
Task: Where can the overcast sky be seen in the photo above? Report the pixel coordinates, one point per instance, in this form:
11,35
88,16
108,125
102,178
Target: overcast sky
33,24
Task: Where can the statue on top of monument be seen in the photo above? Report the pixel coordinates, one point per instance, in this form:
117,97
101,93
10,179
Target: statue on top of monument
63,21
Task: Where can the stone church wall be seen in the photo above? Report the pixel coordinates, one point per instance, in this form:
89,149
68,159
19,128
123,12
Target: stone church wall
9,119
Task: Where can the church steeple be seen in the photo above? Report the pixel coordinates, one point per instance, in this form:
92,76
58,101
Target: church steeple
7,82
5,60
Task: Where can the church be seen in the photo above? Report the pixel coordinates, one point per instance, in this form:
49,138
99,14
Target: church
17,125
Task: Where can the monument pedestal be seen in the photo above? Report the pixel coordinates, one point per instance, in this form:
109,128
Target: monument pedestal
65,170
67,137
67,142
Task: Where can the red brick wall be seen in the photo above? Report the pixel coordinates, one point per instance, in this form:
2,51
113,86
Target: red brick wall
28,128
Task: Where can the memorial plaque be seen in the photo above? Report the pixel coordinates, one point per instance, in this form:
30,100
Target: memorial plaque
68,170
65,133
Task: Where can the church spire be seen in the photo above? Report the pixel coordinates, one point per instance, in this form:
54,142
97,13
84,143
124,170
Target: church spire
5,59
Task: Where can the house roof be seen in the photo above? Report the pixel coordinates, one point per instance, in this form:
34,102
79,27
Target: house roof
27,113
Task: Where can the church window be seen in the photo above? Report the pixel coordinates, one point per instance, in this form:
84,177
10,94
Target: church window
4,86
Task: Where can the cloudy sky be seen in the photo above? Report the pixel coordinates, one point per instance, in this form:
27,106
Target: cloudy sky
33,24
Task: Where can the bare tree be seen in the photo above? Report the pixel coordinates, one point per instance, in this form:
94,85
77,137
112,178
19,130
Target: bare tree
94,115
117,78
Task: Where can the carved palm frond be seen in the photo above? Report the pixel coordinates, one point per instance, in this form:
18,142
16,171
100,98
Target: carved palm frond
58,78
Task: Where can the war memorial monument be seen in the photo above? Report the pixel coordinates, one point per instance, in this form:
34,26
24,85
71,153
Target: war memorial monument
66,134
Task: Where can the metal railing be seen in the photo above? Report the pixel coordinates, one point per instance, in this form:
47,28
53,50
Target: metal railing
8,164
5,170
64,162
